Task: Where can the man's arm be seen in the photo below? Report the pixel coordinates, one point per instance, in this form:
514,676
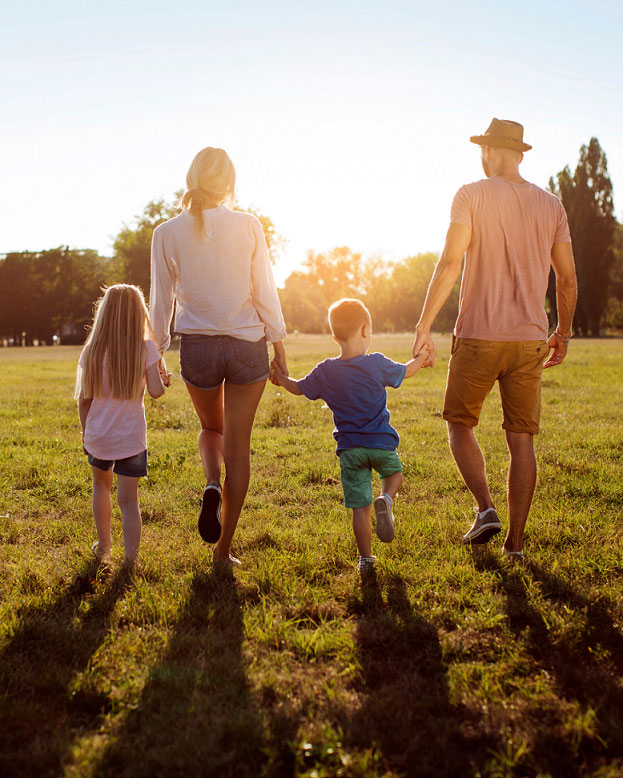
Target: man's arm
566,298
446,272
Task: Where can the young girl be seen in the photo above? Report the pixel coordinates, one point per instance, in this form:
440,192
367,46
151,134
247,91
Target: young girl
116,363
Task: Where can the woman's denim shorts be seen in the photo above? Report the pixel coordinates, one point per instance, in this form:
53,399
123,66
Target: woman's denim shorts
208,360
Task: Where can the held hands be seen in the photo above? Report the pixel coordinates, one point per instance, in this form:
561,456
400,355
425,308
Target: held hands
424,343
165,375
276,373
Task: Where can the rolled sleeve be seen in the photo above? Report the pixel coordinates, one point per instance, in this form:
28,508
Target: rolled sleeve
461,210
263,288
162,292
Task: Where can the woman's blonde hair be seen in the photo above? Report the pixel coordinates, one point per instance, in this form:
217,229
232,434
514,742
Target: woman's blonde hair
210,181
120,324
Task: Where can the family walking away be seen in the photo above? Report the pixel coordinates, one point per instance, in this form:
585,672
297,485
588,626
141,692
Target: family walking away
211,264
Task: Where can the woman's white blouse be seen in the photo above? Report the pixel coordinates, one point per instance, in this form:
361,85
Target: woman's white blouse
223,282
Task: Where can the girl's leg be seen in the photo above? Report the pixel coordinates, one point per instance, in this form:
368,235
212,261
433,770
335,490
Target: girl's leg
362,527
209,406
241,403
127,497
102,508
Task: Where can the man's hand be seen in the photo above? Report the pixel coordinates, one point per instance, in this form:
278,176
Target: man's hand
424,342
559,352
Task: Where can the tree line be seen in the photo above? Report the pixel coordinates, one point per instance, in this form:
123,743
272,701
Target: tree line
51,293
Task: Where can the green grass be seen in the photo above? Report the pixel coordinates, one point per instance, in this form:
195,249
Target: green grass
448,663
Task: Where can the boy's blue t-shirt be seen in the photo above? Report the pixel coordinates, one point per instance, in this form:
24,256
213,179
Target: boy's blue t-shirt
354,389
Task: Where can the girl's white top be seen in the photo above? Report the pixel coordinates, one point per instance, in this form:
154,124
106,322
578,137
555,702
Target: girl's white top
115,428
222,282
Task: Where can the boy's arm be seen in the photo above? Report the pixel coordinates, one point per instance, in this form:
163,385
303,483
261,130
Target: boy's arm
278,377
423,359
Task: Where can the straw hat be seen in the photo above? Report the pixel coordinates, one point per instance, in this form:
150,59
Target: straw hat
503,134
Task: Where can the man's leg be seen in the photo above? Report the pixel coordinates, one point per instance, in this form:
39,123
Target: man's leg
471,463
521,483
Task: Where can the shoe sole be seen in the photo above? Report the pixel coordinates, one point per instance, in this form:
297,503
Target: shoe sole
483,535
209,525
384,525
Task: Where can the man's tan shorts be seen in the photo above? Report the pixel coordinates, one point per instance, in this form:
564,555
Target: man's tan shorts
475,365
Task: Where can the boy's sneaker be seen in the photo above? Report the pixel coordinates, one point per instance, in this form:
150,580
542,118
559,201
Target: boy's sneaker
384,518
485,526
366,564
103,557
210,516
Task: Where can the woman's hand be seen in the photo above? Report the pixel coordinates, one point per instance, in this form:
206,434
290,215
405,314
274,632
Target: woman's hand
280,357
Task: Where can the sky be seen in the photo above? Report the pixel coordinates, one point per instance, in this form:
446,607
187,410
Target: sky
348,122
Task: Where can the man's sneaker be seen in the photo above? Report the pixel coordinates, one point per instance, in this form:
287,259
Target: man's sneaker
384,518
366,564
485,526
210,516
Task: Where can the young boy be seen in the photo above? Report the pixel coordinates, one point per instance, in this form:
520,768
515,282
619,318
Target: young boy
353,386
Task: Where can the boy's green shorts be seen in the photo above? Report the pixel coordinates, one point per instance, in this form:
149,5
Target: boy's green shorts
356,465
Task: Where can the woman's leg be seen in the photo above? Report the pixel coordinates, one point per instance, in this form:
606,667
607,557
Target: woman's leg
209,406
127,497
102,507
241,403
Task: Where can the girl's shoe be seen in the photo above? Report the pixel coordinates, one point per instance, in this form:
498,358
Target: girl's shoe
513,556
103,558
210,516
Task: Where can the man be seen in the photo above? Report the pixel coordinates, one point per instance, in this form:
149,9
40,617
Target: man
510,231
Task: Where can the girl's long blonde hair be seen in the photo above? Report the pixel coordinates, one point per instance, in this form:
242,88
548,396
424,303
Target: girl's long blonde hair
210,181
120,324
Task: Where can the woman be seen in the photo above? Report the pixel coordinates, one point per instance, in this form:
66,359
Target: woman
213,263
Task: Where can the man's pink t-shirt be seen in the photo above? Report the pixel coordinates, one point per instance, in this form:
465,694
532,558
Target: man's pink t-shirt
116,429
507,262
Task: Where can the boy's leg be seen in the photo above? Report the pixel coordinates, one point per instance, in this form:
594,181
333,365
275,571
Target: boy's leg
127,497
391,483
362,527
102,508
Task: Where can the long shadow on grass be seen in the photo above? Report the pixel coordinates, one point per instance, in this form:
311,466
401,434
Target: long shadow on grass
407,714
40,714
196,716
585,663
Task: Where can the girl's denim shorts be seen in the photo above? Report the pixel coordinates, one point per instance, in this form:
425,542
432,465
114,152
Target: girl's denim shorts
208,360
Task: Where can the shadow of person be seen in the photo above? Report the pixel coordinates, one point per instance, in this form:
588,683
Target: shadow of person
40,713
196,716
584,660
407,713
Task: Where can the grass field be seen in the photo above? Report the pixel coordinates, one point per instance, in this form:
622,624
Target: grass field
447,663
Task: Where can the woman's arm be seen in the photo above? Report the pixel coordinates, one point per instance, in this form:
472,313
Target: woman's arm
280,356
264,290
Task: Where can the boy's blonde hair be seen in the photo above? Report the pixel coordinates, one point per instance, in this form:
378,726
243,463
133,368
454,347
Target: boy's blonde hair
120,324
346,316
211,180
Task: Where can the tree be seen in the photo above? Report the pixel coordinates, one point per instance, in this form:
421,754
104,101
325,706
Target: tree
132,246
43,292
587,197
